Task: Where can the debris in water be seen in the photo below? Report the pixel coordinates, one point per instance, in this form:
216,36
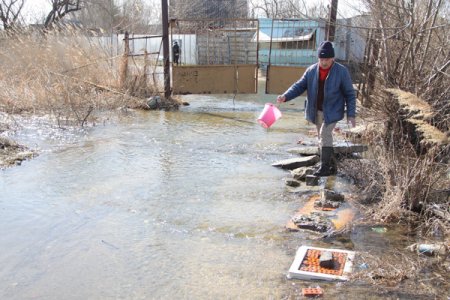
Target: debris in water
307,264
312,291
110,245
314,222
379,229
429,249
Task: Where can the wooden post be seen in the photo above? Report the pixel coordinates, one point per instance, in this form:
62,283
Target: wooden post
331,24
123,72
166,53
146,66
270,57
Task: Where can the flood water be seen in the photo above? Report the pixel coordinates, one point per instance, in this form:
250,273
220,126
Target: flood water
156,205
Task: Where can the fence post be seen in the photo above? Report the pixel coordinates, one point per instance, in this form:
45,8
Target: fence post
331,24
145,65
123,72
166,53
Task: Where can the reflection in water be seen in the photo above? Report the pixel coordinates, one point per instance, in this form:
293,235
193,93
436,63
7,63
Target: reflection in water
343,217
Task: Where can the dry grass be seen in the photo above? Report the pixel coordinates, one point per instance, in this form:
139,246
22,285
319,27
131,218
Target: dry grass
407,272
398,182
429,133
12,153
67,75
50,74
419,108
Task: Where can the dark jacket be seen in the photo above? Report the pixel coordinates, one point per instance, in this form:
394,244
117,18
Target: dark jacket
338,93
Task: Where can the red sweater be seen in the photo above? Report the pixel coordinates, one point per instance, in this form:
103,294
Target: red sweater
323,73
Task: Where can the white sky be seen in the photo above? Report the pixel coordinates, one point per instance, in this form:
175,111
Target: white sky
36,10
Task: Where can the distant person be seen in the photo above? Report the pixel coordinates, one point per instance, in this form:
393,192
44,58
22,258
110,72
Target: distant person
176,53
329,93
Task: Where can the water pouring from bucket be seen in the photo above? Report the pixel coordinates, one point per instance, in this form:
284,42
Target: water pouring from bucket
269,115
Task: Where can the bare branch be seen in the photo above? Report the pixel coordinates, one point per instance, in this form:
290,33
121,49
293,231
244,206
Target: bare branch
61,8
10,12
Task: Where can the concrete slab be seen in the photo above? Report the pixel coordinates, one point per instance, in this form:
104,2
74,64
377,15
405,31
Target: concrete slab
339,148
304,150
348,148
306,264
294,163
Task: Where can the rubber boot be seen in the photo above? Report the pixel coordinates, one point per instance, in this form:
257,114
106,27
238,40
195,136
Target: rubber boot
326,160
333,163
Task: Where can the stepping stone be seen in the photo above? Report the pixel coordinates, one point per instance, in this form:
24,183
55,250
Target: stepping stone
305,150
329,195
301,173
292,182
327,204
348,148
312,180
313,222
339,148
294,163
326,260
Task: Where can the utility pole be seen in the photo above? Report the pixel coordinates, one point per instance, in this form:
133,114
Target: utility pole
331,24
165,39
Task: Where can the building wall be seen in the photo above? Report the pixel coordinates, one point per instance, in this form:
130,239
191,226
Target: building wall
350,40
282,54
232,48
208,9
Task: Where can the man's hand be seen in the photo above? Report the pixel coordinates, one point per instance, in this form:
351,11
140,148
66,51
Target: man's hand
281,98
352,121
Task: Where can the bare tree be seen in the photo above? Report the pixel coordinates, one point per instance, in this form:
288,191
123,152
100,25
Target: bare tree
134,16
286,9
131,15
60,8
411,38
104,14
10,12
212,9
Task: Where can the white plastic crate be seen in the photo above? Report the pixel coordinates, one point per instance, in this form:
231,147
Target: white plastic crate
344,270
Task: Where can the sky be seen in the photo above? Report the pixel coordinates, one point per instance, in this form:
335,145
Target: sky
36,10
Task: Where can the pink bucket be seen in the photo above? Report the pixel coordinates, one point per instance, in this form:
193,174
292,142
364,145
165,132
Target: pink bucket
269,115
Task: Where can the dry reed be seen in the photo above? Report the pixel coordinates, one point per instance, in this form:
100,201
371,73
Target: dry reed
399,182
67,75
400,272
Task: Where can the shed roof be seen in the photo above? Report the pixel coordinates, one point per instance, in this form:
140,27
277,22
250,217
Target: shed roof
306,35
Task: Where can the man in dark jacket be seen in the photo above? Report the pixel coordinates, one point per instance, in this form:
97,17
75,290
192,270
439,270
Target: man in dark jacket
329,94
176,53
